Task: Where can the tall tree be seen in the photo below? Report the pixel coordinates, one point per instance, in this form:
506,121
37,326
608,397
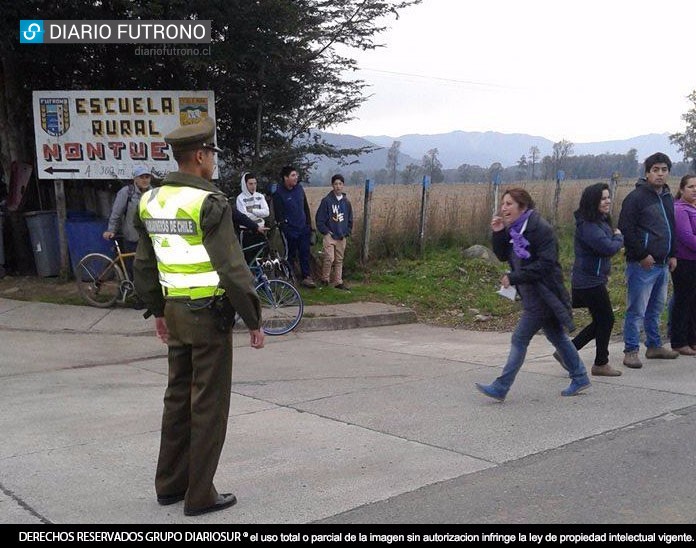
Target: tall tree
496,170
561,150
533,159
629,166
410,173
393,160
432,166
686,141
522,167
279,69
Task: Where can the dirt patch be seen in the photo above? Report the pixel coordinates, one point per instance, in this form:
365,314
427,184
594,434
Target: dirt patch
36,288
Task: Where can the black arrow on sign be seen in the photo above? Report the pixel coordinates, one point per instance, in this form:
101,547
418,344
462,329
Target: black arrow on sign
53,170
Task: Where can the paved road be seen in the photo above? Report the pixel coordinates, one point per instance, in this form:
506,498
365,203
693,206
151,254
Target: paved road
364,425
641,473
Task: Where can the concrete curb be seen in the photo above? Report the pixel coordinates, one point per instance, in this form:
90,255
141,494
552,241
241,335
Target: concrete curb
55,318
350,316
353,322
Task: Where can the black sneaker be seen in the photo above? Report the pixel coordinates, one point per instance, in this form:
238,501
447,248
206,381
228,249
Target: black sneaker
342,287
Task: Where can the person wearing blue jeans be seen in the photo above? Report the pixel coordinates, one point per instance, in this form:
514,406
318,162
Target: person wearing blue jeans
524,239
646,297
647,224
527,327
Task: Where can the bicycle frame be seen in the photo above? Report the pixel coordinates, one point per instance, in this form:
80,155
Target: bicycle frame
120,258
127,286
266,257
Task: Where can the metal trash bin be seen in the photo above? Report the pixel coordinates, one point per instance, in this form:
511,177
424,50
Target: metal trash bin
2,245
2,238
43,233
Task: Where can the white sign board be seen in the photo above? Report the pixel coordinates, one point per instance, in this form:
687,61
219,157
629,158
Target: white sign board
105,134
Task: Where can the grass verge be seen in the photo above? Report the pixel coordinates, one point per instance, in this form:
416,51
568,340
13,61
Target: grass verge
443,288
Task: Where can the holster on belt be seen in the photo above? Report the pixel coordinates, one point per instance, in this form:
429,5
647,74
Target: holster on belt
223,313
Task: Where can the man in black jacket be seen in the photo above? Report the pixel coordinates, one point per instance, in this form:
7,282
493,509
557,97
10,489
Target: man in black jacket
647,224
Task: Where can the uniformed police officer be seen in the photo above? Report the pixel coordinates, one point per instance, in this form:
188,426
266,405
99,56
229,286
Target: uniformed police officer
187,255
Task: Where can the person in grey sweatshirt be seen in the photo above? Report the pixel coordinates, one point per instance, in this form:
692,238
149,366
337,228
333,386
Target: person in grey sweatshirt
124,207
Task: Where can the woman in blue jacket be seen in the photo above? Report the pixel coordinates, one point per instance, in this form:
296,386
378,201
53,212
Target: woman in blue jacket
596,242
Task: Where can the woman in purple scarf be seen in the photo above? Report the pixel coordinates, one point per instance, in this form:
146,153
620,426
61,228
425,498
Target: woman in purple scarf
524,239
683,332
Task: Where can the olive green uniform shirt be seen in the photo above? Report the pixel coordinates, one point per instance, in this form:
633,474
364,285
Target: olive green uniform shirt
223,249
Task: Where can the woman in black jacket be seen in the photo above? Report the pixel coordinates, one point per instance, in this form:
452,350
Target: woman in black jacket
596,242
524,239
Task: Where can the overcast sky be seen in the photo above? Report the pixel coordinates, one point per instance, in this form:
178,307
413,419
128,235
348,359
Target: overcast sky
590,70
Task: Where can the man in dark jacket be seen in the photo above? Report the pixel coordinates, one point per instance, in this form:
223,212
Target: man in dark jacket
647,224
334,220
292,212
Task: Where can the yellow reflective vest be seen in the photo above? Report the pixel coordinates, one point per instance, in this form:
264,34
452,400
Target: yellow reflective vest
172,217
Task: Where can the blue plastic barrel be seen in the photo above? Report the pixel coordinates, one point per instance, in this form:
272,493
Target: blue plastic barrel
84,234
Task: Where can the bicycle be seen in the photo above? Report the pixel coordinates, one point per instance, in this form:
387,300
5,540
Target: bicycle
275,264
102,280
281,303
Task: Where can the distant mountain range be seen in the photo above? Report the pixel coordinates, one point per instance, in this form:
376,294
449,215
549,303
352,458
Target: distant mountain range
479,148
365,162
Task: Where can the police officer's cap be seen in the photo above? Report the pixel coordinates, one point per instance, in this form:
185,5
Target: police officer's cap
193,137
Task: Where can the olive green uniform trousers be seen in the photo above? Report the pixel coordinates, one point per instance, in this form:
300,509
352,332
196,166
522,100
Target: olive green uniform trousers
196,404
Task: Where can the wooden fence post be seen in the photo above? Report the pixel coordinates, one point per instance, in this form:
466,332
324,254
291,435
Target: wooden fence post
560,176
61,211
613,186
367,214
495,191
423,213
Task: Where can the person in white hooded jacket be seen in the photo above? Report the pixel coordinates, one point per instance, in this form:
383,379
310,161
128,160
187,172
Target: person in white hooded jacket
252,204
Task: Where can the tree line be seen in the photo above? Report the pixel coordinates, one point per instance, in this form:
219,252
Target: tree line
530,167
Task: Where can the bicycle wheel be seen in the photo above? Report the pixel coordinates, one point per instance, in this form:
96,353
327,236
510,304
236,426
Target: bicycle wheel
281,306
98,280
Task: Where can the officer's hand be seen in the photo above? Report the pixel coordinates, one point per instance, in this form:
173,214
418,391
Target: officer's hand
162,329
108,235
672,263
257,338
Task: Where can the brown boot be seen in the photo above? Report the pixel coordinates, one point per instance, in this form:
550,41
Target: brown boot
661,353
685,351
605,371
632,360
